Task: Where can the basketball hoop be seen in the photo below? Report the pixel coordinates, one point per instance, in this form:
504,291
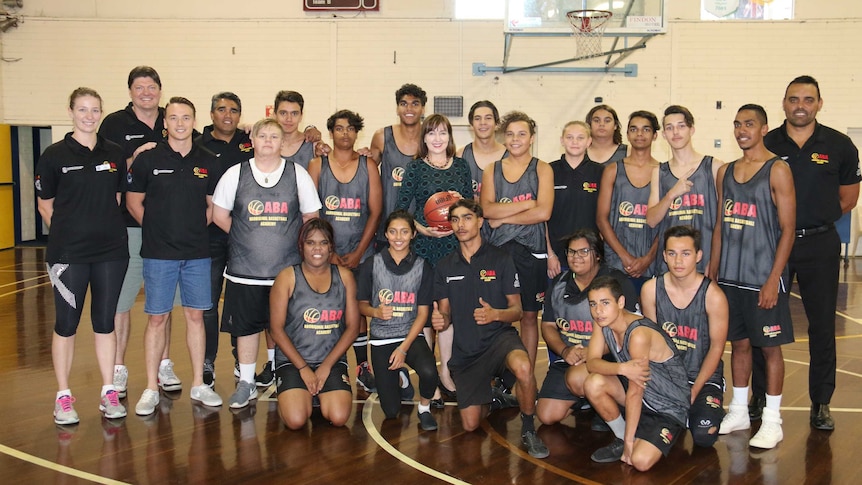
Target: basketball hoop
588,27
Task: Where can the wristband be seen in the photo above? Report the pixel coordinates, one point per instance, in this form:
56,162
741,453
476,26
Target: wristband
399,349
303,367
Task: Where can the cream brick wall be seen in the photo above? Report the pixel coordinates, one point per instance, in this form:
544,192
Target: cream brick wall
256,48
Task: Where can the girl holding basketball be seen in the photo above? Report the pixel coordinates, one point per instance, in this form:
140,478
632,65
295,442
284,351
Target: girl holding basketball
395,291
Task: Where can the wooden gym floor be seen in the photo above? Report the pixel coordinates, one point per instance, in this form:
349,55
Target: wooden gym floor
183,443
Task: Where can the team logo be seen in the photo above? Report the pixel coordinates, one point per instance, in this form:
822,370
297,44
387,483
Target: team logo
312,315
129,177
332,202
669,328
398,174
505,200
476,187
487,275
771,330
38,183
819,158
676,204
255,207
385,296
164,133
245,147
345,379
201,172
743,209
590,187
713,402
728,207
666,436
626,208
540,297
517,283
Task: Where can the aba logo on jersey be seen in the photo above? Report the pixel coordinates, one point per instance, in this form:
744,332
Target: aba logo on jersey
819,158
477,187
688,200
333,202
487,275
201,172
713,402
385,296
771,331
629,209
669,328
245,147
505,200
666,436
540,297
742,209
313,315
257,207
398,174
590,187
579,326
516,198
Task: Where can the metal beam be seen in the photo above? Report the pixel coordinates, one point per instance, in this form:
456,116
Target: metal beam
630,70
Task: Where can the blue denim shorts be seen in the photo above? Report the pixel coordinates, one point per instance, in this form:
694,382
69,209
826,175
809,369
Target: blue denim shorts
162,276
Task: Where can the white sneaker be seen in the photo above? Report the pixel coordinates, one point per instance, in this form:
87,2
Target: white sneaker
148,402
169,381
121,380
206,396
770,433
735,419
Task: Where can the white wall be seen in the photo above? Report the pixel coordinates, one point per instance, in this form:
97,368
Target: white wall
355,61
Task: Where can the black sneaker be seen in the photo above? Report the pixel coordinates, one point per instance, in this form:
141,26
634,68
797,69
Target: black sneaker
236,369
448,394
535,447
502,400
209,373
266,376
599,424
609,454
407,391
427,421
364,378
755,407
438,403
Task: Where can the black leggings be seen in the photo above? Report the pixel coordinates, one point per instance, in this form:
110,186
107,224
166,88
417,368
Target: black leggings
419,357
70,282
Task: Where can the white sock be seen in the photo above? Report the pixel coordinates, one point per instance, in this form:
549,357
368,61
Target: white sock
618,426
246,373
164,362
423,409
740,396
119,367
105,389
773,402
64,392
270,356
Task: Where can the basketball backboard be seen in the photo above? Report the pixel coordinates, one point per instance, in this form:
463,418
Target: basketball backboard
549,16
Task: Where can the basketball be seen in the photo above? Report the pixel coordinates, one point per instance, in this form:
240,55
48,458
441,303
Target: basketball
437,209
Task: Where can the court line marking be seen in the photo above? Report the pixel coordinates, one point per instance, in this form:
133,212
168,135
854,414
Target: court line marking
837,312
378,438
25,289
17,282
35,460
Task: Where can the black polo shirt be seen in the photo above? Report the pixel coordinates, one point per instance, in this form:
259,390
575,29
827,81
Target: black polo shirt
576,197
176,187
87,225
490,274
365,280
826,161
237,150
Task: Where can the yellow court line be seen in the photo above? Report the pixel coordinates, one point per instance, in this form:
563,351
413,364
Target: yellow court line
56,467
25,289
18,282
375,435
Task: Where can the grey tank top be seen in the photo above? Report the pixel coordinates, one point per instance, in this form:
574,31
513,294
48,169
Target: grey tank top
696,209
749,230
573,319
689,329
315,321
628,220
303,156
398,291
531,236
475,171
392,166
345,206
265,226
668,392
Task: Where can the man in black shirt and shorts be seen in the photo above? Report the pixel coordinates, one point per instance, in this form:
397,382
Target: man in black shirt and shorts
477,291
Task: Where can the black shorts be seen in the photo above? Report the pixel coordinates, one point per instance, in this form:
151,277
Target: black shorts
245,310
706,411
287,377
554,386
474,381
659,429
532,274
765,328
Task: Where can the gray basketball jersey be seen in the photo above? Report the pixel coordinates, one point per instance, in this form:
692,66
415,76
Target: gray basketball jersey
392,166
689,329
315,321
398,291
475,171
628,220
303,156
345,206
696,208
749,230
572,313
531,236
668,392
265,226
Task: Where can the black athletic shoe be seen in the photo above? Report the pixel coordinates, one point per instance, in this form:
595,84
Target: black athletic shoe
209,373
609,454
755,407
438,403
364,378
448,394
599,424
427,421
407,391
502,400
535,447
266,376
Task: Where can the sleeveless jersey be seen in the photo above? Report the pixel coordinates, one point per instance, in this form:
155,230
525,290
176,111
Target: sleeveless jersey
696,208
392,166
315,321
345,206
303,156
749,230
689,329
265,226
668,392
475,171
628,220
398,291
531,236
572,313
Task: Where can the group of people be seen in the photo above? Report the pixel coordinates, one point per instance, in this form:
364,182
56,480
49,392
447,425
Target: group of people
652,266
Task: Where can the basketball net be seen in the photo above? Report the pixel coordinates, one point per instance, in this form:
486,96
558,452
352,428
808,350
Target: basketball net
588,27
